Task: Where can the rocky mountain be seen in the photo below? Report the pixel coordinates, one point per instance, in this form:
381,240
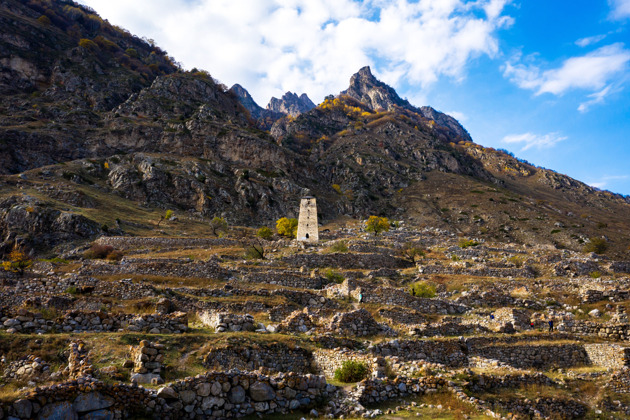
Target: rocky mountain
365,88
291,104
91,139
62,68
264,117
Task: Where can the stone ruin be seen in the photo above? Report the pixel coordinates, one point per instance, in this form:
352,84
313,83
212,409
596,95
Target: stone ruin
79,364
147,361
359,323
227,322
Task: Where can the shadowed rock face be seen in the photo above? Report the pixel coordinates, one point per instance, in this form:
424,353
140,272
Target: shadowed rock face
264,117
291,104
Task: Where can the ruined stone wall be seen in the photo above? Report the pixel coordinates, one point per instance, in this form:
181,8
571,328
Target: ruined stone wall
300,282
620,381
482,271
396,297
446,352
613,295
171,267
620,267
125,242
608,355
83,321
346,261
612,331
484,382
226,322
445,329
376,390
214,395
536,356
273,357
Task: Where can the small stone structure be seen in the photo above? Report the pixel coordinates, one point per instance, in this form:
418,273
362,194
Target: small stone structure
79,364
147,361
307,223
225,322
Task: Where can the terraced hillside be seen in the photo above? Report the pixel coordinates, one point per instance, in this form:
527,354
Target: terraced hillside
454,328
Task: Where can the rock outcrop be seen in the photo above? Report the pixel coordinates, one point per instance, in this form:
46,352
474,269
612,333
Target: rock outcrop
291,104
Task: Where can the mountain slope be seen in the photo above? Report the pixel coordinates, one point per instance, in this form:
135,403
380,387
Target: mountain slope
61,68
98,142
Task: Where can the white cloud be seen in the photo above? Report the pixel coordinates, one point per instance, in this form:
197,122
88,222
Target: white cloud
459,116
314,46
593,71
620,9
531,140
585,42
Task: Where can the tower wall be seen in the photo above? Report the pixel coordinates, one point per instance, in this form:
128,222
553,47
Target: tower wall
307,223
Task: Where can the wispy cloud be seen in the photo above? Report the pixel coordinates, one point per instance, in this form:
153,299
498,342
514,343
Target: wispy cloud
585,42
593,71
272,46
620,9
531,140
604,181
595,98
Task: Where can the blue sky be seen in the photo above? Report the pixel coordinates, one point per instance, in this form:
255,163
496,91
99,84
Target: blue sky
546,80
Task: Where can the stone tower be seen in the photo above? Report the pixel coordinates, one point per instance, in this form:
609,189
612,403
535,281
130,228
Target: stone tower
307,223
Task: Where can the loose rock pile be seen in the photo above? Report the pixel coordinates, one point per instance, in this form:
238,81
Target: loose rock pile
359,323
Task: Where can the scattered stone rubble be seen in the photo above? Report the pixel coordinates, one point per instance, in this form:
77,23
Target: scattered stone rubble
28,368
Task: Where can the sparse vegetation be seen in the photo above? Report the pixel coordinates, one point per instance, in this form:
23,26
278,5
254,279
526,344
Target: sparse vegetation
333,276
377,225
218,225
467,243
351,371
596,245
265,233
341,246
98,251
412,252
423,289
287,227
18,261
166,216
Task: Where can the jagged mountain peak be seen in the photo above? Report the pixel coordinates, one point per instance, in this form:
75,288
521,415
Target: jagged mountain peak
264,117
247,101
291,104
366,88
